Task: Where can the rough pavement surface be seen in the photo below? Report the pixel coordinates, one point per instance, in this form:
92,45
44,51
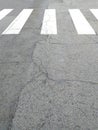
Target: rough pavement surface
49,82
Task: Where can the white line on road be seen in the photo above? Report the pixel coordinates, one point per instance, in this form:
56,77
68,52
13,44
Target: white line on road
16,26
49,25
4,12
95,12
80,22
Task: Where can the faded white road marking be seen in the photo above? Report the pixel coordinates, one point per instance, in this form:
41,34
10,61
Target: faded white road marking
4,12
16,26
49,25
80,22
95,12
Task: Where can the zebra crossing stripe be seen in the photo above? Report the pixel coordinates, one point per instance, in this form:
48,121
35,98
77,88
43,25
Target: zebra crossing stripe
95,13
4,12
16,26
81,24
49,25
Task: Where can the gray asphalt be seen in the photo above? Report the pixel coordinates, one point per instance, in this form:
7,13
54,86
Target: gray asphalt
48,82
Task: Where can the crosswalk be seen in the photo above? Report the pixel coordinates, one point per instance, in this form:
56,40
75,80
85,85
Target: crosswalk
49,23
81,24
4,12
16,26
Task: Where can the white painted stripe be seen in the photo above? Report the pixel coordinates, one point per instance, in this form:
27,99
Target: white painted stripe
4,12
95,12
80,22
49,25
16,26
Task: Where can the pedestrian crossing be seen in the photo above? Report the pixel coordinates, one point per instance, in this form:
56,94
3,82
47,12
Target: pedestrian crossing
81,24
49,22
4,13
16,26
95,12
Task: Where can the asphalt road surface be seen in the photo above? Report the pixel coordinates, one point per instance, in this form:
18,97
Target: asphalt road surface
48,65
